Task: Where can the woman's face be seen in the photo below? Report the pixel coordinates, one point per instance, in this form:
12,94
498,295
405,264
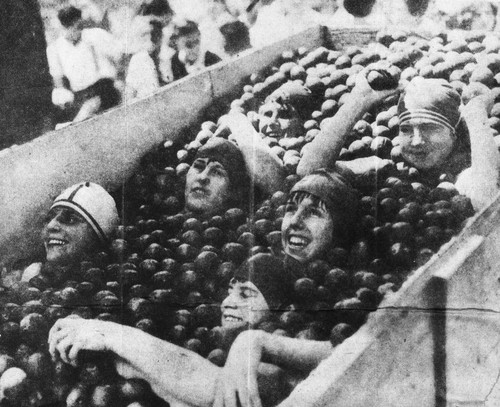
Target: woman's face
189,46
424,144
244,306
277,120
307,230
67,237
207,189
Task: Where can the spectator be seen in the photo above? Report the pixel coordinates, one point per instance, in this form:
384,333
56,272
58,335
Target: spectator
189,57
280,19
148,69
82,63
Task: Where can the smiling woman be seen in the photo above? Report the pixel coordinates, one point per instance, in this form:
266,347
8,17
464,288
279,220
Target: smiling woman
321,213
80,222
259,287
178,375
282,113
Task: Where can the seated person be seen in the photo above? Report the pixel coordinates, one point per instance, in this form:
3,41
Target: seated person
146,69
188,57
178,375
434,138
82,63
321,213
80,223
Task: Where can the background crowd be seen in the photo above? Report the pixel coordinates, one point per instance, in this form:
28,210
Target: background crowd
102,54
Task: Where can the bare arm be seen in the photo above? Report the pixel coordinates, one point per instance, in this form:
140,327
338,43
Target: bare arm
175,374
324,150
265,168
239,377
480,182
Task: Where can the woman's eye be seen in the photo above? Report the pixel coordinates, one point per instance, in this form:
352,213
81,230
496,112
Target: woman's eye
290,208
198,165
405,130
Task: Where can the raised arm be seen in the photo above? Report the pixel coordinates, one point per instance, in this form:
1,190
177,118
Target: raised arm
480,182
324,150
265,168
177,375
239,377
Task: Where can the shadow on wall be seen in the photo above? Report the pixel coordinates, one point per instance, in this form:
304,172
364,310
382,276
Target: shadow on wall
25,84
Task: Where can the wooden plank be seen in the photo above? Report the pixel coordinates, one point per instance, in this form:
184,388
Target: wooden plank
392,359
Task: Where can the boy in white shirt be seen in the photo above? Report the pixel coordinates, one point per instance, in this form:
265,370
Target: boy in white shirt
82,65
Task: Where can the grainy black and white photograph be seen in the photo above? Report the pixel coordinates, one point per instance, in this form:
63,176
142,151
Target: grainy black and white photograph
249,203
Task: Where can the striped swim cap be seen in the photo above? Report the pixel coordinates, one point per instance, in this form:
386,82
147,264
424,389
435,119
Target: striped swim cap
94,204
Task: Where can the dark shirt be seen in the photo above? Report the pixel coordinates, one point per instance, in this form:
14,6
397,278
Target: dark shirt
179,69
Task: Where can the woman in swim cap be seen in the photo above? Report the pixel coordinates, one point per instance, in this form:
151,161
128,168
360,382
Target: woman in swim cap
434,132
80,222
180,376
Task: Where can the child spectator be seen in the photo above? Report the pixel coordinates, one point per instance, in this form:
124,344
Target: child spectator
189,57
82,64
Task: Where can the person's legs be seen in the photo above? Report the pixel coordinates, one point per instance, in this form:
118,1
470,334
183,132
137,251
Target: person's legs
88,109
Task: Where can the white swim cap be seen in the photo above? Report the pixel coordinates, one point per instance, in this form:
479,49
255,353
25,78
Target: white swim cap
95,204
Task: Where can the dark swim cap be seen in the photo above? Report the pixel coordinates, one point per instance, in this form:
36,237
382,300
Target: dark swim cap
433,100
229,155
340,198
267,273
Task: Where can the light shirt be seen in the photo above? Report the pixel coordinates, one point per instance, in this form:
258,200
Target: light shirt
85,62
142,75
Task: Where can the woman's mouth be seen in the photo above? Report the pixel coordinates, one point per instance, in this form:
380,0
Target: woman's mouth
199,191
297,241
56,242
232,318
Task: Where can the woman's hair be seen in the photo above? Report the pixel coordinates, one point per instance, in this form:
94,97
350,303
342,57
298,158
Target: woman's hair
182,27
231,158
340,199
298,196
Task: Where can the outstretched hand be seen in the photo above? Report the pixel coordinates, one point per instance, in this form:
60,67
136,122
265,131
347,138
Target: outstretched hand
237,383
483,101
69,336
235,123
365,93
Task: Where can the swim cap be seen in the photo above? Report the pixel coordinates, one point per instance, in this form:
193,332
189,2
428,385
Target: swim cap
94,204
